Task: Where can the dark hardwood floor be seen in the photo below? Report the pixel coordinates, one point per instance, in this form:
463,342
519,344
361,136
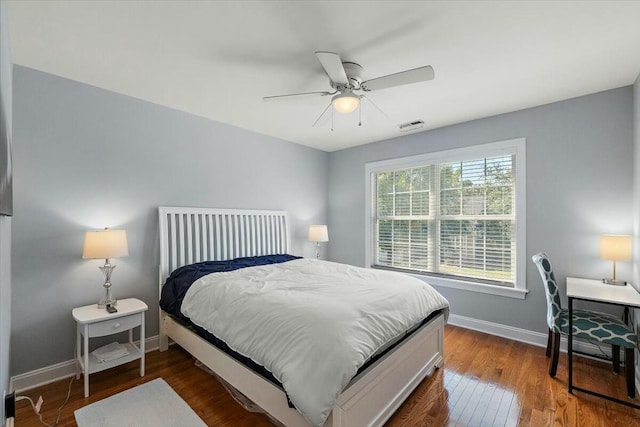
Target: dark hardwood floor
485,381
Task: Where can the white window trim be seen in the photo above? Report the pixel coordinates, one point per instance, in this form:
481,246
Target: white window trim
516,145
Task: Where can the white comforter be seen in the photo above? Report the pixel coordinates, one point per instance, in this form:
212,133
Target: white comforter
311,323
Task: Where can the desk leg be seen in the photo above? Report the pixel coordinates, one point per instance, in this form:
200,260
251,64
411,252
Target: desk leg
626,316
570,345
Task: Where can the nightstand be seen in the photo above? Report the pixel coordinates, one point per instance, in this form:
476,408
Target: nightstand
97,322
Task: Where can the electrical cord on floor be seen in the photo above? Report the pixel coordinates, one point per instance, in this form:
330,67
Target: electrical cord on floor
603,352
36,408
596,343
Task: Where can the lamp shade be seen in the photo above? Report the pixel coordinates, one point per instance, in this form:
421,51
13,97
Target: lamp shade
105,244
615,247
318,233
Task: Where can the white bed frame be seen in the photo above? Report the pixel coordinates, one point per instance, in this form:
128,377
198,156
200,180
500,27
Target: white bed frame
189,235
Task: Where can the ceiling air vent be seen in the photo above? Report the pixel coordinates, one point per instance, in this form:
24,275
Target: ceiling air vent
409,126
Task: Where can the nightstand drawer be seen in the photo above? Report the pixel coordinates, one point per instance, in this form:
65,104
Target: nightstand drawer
113,326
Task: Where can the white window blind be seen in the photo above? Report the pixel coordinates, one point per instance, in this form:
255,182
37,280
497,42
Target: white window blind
447,216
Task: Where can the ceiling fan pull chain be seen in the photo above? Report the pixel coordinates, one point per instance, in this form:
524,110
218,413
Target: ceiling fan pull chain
359,113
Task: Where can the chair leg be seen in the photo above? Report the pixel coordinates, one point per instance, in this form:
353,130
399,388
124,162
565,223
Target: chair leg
615,355
629,365
549,336
553,367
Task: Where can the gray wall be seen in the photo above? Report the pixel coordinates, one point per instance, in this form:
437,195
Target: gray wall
579,183
5,222
86,158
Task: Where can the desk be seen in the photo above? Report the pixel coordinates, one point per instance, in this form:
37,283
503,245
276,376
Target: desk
595,290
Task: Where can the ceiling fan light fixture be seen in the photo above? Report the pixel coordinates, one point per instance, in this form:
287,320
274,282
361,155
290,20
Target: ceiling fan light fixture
345,102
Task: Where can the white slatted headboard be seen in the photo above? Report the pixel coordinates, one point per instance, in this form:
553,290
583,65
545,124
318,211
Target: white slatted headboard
190,235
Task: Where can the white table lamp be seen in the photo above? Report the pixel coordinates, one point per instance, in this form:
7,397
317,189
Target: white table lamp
318,233
106,244
615,248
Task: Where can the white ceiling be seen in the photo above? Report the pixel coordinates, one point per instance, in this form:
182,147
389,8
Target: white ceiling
218,59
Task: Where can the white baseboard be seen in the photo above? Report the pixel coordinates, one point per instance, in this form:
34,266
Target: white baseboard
49,374
530,337
66,369
538,339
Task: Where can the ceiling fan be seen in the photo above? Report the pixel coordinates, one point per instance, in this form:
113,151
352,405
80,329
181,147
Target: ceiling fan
346,80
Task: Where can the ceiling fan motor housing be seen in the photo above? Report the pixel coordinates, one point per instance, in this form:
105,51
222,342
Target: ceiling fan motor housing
354,75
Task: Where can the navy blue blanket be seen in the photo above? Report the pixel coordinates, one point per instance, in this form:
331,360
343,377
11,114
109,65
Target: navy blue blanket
178,283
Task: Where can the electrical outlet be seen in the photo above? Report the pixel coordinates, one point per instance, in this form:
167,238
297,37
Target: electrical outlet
9,405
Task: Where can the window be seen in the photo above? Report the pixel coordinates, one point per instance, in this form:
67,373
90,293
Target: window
456,216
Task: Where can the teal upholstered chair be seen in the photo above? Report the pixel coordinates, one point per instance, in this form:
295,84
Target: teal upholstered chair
587,325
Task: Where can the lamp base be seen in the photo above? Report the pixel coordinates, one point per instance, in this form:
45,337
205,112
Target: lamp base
103,303
614,282
108,299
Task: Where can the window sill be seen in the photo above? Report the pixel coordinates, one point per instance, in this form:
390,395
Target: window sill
473,286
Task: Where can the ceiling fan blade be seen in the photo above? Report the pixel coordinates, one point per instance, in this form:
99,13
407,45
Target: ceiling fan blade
416,75
332,64
293,95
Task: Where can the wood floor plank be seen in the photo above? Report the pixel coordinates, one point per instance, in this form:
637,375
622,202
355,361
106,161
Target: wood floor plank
484,401
485,381
491,412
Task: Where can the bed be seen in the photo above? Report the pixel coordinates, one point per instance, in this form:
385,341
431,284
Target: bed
193,235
